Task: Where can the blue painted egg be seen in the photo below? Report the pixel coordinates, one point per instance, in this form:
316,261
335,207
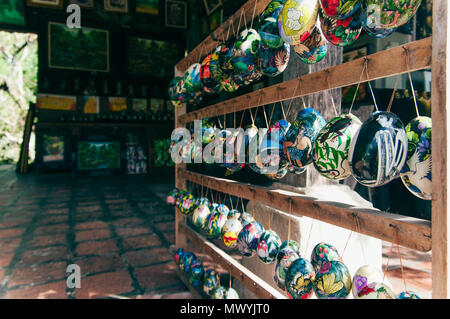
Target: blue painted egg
178,255
408,295
192,82
286,247
185,261
273,62
323,253
268,29
284,260
300,279
248,238
333,281
211,281
271,148
197,275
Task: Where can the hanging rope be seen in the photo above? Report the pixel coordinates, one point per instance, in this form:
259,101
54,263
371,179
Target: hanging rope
331,93
289,219
370,85
242,118
413,94
309,235
282,110
393,94
292,98
253,16
231,202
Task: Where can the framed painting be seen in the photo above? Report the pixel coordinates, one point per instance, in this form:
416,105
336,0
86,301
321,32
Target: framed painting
116,6
211,5
12,12
147,6
85,49
91,105
53,148
176,14
56,102
117,104
56,4
348,92
83,3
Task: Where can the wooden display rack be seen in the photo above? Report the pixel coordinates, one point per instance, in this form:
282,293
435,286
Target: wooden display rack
421,235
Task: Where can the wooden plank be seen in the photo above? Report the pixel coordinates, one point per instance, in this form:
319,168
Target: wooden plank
412,232
254,283
248,10
441,118
380,65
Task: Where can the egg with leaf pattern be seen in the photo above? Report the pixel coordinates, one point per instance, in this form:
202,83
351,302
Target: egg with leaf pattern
268,246
333,281
300,279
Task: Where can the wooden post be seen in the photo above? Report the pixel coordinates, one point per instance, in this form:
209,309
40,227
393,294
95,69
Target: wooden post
441,118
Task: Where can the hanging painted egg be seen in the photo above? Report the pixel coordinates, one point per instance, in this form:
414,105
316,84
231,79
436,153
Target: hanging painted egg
192,82
273,62
219,293
178,255
186,260
231,294
366,281
408,295
333,281
208,131
314,48
203,201
379,149
197,275
268,246
229,85
284,260
180,196
268,29
332,146
200,215
217,74
230,232
340,9
269,160
297,19
210,85
341,32
225,56
231,161
323,253
389,14
234,213
246,218
215,224
171,197
211,281
416,173
377,291
378,32
300,138
223,209
248,238
300,279
183,95
288,245
196,98
247,144
187,204
173,92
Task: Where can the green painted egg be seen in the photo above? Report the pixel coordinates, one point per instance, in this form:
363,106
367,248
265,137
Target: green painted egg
340,9
268,246
284,260
192,81
215,224
268,29
219,293
200,216
187,204
300,279
333,281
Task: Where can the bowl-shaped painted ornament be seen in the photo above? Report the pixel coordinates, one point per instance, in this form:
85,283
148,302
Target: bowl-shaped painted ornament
219,293
210,85
284,260
286,246
197,275
187,204
332,146
268,246
323,253
389,14
246,218
215,224
200,215
408,295
416,173
297,19
300,138
185,261
230,232
231,294
268,29
273,62
171,197
248,238
365,279
333,281
340,9
211,280
314,48
300,279
178,255
192,82
341,32
379,149
173,92
378,32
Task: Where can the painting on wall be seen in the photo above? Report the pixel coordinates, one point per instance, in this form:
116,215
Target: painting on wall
84,49
53,148
57,4
151,57
176,14
147,6
98,155
56,102
348,92
116,5
12,12
91,105
117,104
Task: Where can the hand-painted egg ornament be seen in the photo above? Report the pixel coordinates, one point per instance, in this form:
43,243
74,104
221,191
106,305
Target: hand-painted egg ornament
210,85
389,14
231,294
341,32
378,150
314,48
192,82
269,160
286,246
323,253
178,255
219,293
200,216
215,224
340,9
378,32
248,238
333,281
211,281
180,196
297,19
332,146
366,281
171,197
300,138
187,204
196,97
223,209
231,161
173,92
230,232
268,246
246,218
268,29
234,213
218,74
300,279
183,95
273,62
185,261
416,173
247,143
203,201
197,275
225,56
229,85
408,295
377,290
284,260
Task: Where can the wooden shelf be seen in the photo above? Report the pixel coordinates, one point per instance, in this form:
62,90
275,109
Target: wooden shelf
96,124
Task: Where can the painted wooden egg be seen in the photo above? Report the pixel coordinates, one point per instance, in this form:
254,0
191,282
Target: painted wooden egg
268,29
196,98
300,138
173,92
248,238
273,62
186,260
217,74
229,85
210,85
223,209
269,160
366,276
377,290
341,32
200,216
208,131
246,218
197,275
379,149
203,201
314,48
231,161
268,246
408,295
247,143
297,19
333,281
323,253
332,146
230,232
178,255
192,82
171,197
288,256
180,196
231,294
183,95
211,281
416,173
300,279
378,32
187,204
215,224
340,9
389,14
286,247
219,293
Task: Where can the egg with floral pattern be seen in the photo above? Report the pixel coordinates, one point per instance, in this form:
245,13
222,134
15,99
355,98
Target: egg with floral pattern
300,279
183,95
230,232
203,201
268,29
284,260
323,253
225,56
200,216
297,19
192,82
218,74
333,281
268,246
196,275
223,209
187,204
210,85
332,146
408,295
215,224
340,9
270,160
234,213
314,48
273,62
211,280
171,197
231,161
416,173
179,253
180,196
248,238
289,245
368,283
341,32
389,14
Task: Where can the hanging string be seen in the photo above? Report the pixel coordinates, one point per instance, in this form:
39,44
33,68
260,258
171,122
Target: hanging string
341,257
393,94
242,204
231,202
387,263
270,219
358,229
292,98
357,87
413,94
230,276
240,19
265,116
202,51
282,110
399,256
309,236
331,93
220,123
237,202
370,85
242,118
289,219
253,16
271,114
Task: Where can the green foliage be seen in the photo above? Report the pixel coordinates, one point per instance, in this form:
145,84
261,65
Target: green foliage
18,85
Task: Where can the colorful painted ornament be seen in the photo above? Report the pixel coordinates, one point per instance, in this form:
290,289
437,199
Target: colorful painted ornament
367,280
171,197
323,253
280,174
192,82
208,131
268,246
341,32
416,173
203,201
178,255
300,138
231,294
185,261
173,92
340,9
197,275
225,56
314,48
389,14
379,149
211,281
231,161
408,295
234,213
268,29
286,246
248,238
300,279
210,85
332,146
180,196
200,216
218,74
273,62
223,209
296,170
187,204
230,232
183,95
285,258
297,19
219,293
333,281
215,224
196,98
246,218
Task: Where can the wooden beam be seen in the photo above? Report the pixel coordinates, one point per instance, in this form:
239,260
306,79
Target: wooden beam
252,8
440,147
254,283
412,232
402,59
